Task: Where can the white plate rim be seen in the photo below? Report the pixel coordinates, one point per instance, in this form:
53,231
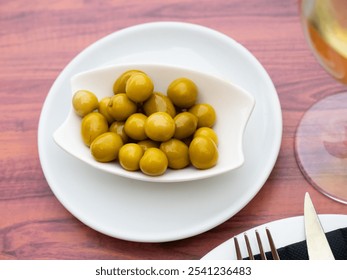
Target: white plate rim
284,231
204,225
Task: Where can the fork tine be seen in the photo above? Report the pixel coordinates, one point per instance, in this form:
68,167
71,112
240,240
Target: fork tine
260,246
249,249
237,248
272,245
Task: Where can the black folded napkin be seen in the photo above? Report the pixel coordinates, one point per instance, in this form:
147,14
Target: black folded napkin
298,251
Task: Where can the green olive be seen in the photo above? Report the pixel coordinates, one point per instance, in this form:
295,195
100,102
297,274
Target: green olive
159,102
148,143
135,126
205,113
118,127
93,125
139,87
129,156
183,92
203,152
160,126
207,132
84,102
120,83
103,104
121,107
185,124
105,147
153,162
176,152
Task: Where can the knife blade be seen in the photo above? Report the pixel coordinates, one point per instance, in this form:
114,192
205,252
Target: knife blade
317,244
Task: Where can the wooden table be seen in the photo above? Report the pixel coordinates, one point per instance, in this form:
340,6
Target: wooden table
38,39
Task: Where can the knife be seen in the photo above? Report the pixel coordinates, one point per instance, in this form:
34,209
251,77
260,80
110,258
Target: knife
317,244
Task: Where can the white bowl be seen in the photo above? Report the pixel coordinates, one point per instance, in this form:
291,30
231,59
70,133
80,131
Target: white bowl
233,107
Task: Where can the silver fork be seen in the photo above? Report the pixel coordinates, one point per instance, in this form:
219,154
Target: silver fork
274,252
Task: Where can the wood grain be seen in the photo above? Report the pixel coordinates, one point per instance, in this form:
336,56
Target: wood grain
38,40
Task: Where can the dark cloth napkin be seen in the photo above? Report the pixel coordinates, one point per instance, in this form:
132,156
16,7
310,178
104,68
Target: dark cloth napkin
298,251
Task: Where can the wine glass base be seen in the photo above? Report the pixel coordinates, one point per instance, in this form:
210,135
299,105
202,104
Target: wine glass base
321,146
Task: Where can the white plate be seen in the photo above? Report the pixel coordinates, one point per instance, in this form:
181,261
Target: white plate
284,232
232,104
143,211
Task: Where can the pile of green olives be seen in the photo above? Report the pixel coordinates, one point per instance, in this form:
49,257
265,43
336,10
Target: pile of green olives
147,130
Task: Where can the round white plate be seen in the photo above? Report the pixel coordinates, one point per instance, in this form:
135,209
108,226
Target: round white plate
158,212
284,232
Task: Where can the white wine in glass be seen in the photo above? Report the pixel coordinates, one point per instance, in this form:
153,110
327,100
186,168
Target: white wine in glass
321,137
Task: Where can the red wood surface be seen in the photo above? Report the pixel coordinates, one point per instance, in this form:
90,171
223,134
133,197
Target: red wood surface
39,38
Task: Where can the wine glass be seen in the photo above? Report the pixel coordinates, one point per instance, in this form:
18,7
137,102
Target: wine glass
321,137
